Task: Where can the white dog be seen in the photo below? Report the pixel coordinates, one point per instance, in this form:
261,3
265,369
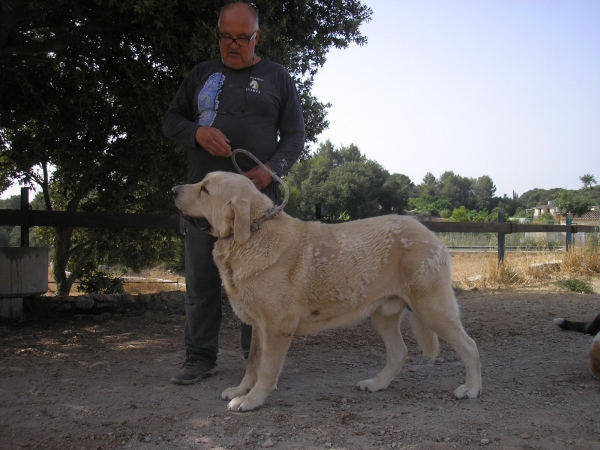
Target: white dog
290,277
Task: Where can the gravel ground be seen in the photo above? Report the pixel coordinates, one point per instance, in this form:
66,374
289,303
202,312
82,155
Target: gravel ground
101,382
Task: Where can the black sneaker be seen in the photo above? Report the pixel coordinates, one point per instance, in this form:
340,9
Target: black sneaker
193,370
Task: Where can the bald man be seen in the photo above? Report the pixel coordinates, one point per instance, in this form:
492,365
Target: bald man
239,101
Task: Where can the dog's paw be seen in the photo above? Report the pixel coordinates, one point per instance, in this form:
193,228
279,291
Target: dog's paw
244,403
464,392
371,385
232,392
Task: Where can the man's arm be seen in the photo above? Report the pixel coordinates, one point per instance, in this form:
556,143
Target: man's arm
179,127
177,123
291,130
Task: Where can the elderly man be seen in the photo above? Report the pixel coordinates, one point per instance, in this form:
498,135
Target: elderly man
240,101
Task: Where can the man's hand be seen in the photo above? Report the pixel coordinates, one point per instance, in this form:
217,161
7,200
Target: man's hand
259,177
213,141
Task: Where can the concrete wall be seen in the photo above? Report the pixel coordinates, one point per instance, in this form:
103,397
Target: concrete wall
23,273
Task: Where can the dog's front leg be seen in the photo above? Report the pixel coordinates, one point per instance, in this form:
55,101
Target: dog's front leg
274,348
251,374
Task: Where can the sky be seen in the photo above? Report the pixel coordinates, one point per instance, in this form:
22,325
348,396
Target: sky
504,88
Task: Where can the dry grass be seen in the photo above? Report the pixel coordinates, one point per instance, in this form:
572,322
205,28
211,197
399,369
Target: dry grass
524,269
470,271
148,287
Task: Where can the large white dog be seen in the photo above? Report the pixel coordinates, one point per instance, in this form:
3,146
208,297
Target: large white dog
290,277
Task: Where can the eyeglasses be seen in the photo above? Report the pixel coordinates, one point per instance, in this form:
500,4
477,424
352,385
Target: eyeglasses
242,88
242,42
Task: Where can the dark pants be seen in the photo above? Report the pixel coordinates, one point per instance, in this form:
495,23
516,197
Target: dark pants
203,292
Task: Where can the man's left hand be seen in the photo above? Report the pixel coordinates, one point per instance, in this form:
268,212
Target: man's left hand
259,177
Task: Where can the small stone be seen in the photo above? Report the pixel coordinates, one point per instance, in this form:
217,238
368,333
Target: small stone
268,443
525,436
484,441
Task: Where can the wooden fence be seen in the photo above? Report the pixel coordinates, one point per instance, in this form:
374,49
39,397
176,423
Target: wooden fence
26,218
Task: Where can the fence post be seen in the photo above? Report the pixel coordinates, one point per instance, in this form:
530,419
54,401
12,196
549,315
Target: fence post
24,207
569,221
501,246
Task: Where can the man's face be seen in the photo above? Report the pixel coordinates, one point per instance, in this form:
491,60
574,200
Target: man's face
238,23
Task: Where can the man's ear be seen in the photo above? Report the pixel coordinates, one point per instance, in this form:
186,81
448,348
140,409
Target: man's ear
241,220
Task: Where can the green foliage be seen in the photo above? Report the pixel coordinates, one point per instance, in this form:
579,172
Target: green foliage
575,285
536,197
347,184
460,214
588,180
85,84
545,219
483,191
456,189
96,281
427,203
572,203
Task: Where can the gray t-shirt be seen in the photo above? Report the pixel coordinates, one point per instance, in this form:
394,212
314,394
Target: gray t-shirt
256,108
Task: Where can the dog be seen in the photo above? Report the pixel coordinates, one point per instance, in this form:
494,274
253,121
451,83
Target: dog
289,277
592,328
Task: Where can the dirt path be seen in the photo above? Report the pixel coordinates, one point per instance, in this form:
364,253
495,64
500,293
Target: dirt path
81,382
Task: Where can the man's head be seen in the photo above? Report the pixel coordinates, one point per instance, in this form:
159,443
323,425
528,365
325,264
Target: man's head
238,21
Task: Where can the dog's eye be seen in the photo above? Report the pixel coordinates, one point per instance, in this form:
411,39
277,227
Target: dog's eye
203,189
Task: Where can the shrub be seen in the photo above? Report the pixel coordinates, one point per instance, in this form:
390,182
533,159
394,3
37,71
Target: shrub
575,285
97,281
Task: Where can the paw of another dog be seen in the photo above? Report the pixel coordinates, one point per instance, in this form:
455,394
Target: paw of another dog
464,392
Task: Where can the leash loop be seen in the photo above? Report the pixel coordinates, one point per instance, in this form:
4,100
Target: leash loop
271,212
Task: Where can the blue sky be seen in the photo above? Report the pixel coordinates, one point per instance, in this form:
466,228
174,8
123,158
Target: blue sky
505,88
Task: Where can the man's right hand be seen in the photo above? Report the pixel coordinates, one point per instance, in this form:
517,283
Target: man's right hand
213,141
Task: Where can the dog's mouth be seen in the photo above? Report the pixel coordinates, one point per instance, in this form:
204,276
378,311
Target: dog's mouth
201,223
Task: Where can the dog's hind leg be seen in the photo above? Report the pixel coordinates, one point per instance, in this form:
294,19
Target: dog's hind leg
388,328
274,347
445,322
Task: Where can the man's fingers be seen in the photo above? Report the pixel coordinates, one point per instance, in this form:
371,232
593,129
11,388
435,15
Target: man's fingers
213,141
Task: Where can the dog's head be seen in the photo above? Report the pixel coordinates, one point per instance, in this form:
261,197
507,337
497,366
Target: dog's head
222,204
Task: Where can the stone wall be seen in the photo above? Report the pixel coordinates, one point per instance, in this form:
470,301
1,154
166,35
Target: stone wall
97,304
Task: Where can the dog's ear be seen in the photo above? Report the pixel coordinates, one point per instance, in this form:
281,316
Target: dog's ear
241,220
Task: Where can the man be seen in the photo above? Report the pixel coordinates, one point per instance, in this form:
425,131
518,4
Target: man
241,101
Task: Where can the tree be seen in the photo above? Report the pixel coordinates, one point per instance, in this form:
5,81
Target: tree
428,186
347,184
456,189
483,191
572,203
84,85
395,194
587,180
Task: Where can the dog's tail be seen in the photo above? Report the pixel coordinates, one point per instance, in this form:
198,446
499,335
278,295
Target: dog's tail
428,341
582,327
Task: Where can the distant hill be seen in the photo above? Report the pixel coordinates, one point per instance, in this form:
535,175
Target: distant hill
537,197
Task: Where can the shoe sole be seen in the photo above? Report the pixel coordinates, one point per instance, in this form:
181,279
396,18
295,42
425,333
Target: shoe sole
208,374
